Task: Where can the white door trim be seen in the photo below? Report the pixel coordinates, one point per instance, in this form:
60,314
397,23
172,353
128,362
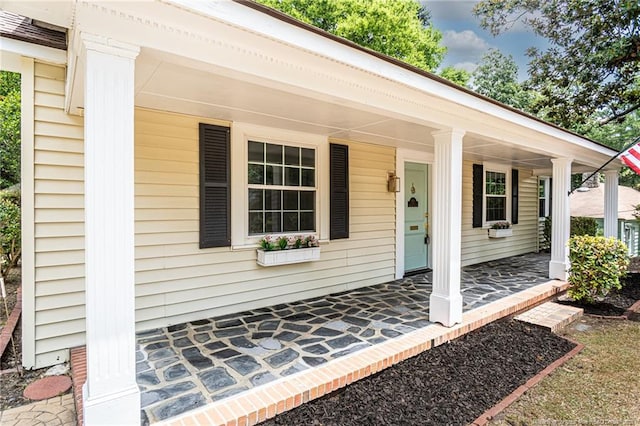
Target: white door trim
411,156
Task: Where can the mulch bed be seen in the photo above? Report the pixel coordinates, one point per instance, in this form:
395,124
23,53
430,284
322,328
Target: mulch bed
615,303
451,384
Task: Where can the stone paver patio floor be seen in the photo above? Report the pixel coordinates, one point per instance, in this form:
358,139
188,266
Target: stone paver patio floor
189,365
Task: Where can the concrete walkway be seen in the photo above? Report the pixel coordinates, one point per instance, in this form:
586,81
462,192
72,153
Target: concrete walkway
58,411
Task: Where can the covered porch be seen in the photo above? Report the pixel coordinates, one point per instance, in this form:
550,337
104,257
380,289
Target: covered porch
195,364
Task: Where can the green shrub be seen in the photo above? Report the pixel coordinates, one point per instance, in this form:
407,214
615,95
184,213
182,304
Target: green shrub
583,226
545,244
597,264
10,237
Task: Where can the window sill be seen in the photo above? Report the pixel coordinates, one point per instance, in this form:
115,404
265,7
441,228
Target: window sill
287,257
500,233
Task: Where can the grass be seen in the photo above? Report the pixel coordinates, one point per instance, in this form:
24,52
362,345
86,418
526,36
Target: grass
600,385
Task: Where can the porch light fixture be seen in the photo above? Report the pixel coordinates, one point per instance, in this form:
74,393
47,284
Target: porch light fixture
393,182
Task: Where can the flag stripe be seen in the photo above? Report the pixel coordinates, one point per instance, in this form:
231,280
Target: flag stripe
631,158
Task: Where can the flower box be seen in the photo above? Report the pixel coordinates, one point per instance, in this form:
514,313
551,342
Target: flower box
286,257
500,233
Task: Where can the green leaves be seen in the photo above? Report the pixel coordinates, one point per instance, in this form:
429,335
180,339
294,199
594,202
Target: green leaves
10,236
597,264
593,63
9,129
397,28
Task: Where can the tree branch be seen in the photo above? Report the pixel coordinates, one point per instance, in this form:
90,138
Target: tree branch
616,116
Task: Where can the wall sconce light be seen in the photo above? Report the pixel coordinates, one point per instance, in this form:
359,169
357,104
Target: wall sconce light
393,182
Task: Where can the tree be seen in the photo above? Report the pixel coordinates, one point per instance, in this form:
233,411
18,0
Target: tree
397,28
9,129
456,75
497,78
593,63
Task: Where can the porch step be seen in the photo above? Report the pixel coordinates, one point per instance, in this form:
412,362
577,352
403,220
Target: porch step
551,315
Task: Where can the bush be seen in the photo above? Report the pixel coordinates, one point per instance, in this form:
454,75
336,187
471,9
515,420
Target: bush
579,226
10,236
583,226
597,264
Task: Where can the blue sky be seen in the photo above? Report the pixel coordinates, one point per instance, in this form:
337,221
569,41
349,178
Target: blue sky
467,42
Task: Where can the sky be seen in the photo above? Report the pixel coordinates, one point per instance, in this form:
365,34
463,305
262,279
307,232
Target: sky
467,41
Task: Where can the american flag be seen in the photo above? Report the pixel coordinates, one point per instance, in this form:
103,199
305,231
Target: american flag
631,157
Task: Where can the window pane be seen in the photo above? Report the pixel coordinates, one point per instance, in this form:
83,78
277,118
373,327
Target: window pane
541,189
496,208
255,199
272,200
290,221
291,156
307,221
256,152
496,183
290,200
307,200
272,222
292,176
308,177
255,223
256,174
274,153
541,208
308,157
274,175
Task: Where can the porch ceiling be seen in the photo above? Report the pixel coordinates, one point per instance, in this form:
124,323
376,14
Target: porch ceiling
184,86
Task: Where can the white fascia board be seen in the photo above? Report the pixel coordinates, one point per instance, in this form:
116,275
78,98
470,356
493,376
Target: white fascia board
30,50
267,26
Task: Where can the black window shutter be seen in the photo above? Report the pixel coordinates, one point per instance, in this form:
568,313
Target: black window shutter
339,199
215,186
478,179
514,196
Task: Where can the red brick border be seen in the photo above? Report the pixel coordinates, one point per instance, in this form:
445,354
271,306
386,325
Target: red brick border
79,376
12,322
510,399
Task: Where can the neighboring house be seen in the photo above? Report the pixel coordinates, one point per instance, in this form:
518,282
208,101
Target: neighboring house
161,140
588,201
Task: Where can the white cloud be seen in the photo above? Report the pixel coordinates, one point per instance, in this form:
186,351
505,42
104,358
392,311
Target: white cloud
464,41
467,66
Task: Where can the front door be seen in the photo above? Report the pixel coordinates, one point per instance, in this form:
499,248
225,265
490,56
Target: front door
415,217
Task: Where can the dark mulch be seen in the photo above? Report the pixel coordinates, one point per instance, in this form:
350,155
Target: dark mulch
451,384
615,303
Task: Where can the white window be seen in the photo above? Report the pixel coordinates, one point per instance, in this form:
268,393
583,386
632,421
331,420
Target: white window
279,183
544,190
497,194
281,188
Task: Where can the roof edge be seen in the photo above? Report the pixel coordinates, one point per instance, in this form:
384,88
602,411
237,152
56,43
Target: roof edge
397,62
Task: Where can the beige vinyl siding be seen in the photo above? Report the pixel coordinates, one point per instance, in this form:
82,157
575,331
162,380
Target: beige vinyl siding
477,246
176,281
59,220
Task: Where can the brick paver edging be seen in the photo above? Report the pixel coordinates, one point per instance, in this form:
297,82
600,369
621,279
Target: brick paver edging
510,399
79,376
12,321
257,404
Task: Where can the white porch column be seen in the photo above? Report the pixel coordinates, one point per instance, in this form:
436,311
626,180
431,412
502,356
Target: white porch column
560,218
611,203
111,394
445,303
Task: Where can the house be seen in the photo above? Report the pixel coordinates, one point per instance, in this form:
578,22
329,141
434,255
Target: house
589,200
162,139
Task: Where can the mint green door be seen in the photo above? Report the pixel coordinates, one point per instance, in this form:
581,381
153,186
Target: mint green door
415,217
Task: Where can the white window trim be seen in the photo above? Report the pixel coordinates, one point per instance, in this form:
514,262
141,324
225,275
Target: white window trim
545,197
500,168
241,133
